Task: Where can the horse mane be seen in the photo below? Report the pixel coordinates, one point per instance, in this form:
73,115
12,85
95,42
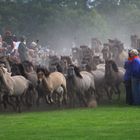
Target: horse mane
59,68
44,70
114,66
77,72
88,68
26,62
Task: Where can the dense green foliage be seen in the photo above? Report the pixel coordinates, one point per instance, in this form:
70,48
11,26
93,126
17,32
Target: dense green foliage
56,21
102,123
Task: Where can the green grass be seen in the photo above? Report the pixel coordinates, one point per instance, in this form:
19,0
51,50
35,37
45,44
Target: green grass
117,122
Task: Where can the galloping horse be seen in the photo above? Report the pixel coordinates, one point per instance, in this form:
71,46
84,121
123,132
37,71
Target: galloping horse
52,82
81,82
113,77
15,86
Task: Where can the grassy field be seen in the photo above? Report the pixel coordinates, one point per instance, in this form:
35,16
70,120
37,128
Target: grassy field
117,122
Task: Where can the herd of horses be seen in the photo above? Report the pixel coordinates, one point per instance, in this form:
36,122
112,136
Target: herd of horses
24,84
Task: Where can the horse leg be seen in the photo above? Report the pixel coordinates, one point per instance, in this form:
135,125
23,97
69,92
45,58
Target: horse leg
64,94
98,95
10,103
38,101
50,97
18,104
84,99
107,89
71,98
1,102
4,102
59,98
118,91
81,98
28,99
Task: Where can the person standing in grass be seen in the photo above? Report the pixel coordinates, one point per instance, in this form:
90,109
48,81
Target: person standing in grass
127,80
135,76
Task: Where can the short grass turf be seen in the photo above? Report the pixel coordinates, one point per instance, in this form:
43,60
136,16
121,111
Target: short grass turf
103,123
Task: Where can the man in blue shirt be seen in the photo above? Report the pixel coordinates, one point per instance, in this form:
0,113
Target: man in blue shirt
127,80
135,76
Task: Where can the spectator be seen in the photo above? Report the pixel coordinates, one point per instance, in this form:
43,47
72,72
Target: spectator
135,76
2,47
127,80
9,40
38,45
23,50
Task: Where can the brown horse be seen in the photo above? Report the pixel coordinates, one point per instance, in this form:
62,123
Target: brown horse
52,83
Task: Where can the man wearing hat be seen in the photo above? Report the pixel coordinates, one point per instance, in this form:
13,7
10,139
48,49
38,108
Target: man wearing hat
135,76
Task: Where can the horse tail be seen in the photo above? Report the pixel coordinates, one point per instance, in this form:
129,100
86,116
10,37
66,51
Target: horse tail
30,94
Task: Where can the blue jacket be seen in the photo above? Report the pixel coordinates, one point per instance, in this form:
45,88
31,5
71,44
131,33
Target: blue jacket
135,68
128,71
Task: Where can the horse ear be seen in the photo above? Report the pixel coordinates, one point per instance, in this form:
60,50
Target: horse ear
46,72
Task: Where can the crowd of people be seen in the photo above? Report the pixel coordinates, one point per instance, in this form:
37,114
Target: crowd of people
21,50
132,78
13,46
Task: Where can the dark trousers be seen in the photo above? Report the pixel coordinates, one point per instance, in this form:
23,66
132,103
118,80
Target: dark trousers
128,89
136,91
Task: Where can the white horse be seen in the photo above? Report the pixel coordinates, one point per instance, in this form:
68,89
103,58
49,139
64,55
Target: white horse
15,86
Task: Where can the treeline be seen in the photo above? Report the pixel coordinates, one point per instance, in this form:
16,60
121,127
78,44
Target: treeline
56,21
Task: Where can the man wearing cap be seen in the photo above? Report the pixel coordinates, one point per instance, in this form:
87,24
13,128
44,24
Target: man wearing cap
135,76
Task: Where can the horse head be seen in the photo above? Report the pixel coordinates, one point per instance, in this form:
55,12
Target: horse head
111,65
2,71
42,73
114,66
74,70
70,71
